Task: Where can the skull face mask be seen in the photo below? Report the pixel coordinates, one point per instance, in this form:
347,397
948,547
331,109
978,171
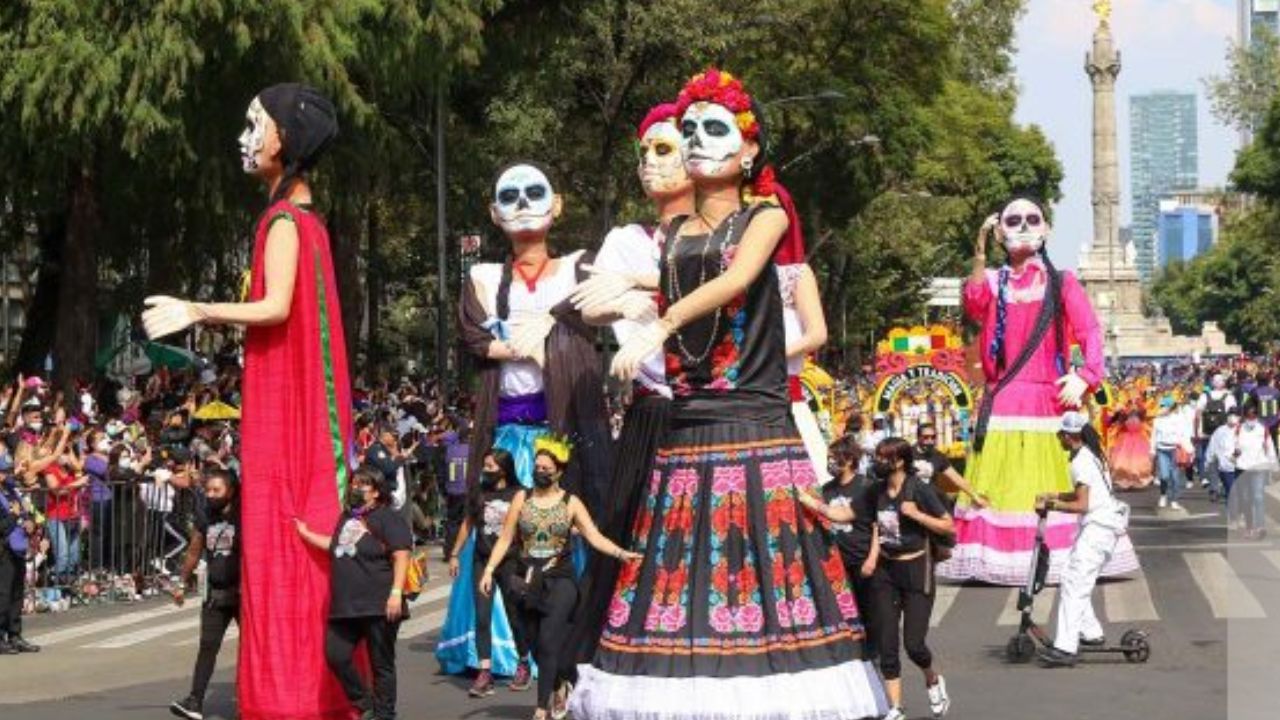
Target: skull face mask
1023,227
523,201
662,164
712,140
254,136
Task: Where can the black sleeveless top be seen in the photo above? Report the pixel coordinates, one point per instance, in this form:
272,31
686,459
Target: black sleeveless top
731,364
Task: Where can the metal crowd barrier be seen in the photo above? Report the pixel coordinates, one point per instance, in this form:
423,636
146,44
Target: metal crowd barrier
124,542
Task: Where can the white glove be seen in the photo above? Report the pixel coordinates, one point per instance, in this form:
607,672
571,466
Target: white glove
636,306
602,288
529,336
1072,388
626,364
166,316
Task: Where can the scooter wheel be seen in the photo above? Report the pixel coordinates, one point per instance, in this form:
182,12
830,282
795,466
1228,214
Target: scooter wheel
1020,649
1137,649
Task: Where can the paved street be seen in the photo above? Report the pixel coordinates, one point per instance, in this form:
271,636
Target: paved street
1209,600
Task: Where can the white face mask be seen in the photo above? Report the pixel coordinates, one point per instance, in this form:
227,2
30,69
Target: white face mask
1233,421
1024,226
662,166
711,138
523,200
254,136
103,446
126,463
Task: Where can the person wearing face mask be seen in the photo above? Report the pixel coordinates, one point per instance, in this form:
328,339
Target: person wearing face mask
909,516
1169,436
1255,459
1103,521
538,368
1222,458
1212,411
370,556
853,490
1030,314
542,520
295,385
101,527
935,468
474,620
215,537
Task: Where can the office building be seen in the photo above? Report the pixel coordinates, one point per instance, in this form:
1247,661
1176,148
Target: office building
1185,231
1163,159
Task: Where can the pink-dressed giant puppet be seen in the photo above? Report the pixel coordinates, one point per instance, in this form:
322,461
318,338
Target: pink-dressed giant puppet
296,415
1029,312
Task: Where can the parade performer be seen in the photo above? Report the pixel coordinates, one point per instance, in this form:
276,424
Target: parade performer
295,389
537,366
738,609
1130,450
621,289
806,328
1028,311
1103,523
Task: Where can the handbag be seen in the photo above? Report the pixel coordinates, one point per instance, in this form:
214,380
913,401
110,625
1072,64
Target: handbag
417,574
1183,457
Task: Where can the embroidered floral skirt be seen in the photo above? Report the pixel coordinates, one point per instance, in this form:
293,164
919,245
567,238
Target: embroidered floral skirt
738,609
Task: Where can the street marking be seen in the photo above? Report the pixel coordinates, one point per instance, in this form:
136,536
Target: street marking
1222,587
422,625
79,631
1274,491
233,633
944,596
141,636
1204,546
1273,556
1129,601
1040,611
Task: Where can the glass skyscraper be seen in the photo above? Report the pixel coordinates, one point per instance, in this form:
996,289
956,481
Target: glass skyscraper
1163,158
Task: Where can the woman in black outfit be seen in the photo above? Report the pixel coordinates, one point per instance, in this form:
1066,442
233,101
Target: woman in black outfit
855,491
487,504
370,558
908,513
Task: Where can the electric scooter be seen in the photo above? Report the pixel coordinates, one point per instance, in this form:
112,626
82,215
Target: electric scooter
1021,648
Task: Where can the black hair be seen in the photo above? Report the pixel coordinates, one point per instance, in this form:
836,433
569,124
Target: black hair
531,163
896,448
846,450
228,477
559,465
475,494
369,474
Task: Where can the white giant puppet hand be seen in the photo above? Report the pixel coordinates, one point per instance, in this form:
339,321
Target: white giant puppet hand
529,336
1071,389
602,288
166,316
638,347
636,306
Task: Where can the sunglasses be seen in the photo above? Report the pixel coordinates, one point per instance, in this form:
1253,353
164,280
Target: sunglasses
1015,220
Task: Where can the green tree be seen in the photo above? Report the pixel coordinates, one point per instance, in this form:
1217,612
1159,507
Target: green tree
1241,97
1257,167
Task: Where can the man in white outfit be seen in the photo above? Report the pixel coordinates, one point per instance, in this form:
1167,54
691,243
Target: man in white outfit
1103,519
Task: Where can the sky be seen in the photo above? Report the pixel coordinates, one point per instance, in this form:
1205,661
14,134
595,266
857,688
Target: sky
1164,45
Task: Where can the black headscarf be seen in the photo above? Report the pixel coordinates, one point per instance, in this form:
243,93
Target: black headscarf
307,123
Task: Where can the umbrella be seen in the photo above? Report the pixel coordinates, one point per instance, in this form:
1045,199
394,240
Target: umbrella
169,356
218,410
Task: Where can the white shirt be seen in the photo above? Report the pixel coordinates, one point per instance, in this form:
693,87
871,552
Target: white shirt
1169,431
1104,509
631,250
1222,448
524,377
1254,444
788,279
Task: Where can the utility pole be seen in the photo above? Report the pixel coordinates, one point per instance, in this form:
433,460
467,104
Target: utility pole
442,250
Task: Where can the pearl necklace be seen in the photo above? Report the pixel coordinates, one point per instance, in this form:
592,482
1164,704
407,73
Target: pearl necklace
676,294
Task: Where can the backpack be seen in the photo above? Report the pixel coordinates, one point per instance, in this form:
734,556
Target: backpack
1215,413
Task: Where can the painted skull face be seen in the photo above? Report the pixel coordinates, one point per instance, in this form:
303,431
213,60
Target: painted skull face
254,136
711,140
523,201
1024,227
662,169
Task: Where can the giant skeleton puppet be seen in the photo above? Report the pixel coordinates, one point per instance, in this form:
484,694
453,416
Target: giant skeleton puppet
296,416
1030,314
621,292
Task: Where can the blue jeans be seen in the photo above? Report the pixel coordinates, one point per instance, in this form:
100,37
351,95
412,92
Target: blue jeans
1168,472
64,536
1228,480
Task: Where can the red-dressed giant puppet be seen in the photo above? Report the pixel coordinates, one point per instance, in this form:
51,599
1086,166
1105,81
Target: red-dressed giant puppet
296,414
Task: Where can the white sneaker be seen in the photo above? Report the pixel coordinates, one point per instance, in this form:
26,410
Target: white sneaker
1175,506
939,701
1164,502
1204,483
895,713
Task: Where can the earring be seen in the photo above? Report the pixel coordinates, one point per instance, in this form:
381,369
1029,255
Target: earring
747,163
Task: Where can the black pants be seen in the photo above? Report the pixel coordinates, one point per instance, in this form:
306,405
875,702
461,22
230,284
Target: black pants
340,645
484,612
862,593
902,594
455,509
214,622
13,577
548,630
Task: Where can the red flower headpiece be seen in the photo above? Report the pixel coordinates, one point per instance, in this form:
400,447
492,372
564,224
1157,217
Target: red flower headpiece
664,112
721,88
